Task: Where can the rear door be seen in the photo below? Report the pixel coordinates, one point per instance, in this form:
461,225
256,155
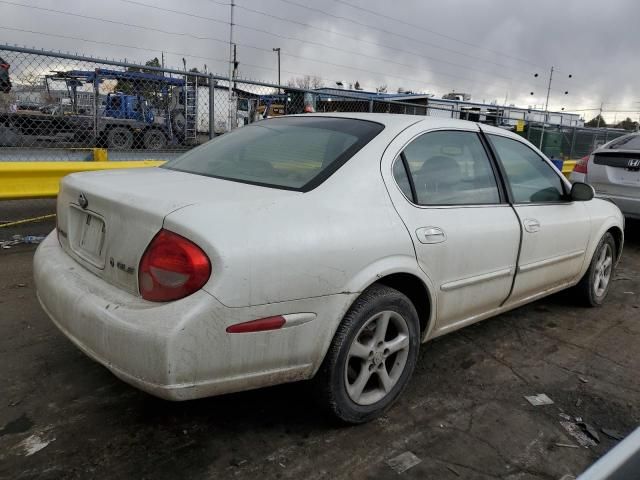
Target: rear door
555,230
465,234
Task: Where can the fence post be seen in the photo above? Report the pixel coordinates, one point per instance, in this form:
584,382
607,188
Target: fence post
96,106
573,143
211,106
371,105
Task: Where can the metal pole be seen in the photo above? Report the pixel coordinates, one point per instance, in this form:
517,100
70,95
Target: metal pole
231,66
277,50
211,105
599,116
546,109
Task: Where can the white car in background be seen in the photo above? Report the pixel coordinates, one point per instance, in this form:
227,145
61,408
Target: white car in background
316,246
614,172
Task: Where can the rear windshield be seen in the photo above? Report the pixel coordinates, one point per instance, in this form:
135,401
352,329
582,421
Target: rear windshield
628,142
295,153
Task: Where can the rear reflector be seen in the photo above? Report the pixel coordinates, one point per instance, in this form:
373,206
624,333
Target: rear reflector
260,325
581,165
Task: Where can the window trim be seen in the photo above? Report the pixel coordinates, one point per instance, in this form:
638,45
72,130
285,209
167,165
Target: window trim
566,199
502,194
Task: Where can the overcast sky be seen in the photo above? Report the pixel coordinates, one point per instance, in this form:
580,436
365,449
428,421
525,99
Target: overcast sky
488,48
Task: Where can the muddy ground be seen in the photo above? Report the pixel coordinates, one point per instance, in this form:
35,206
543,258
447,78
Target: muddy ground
463,416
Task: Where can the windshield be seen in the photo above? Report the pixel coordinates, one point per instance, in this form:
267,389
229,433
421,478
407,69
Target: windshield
296,153
628,142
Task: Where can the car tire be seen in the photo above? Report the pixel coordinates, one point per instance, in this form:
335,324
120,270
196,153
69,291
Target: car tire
154,139
372,356
120,138
594,285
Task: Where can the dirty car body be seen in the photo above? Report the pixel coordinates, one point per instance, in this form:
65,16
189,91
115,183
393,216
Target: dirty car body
293,222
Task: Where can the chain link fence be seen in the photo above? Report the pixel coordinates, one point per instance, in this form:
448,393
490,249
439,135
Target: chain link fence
56,106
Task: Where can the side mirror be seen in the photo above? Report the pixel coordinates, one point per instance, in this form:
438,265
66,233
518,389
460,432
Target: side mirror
582,192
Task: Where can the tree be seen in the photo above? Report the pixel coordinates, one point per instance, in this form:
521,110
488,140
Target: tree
357,85
307,82
628,124
382,89
596,121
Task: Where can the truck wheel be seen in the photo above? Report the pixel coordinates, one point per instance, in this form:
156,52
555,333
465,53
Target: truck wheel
120,138
178,122
154,140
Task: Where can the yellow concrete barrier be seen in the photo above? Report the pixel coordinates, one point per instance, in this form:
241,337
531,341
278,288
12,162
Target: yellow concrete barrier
20,180
568,166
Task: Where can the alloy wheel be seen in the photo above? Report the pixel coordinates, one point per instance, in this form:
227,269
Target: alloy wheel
377,357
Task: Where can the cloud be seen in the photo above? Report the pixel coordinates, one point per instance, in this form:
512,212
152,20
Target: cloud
491,49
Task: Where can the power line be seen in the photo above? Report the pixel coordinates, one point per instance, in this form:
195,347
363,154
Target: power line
389,32
448,37
309,42
153,50
121,45
369,42
197,37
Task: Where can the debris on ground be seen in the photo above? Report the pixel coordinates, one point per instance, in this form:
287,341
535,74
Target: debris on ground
616,435
565,416
453,470
34,444
568,445
18,239
403,462
583,380
576,432
538,399
578,402
589,430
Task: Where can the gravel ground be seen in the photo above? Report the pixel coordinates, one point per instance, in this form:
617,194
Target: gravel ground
463,416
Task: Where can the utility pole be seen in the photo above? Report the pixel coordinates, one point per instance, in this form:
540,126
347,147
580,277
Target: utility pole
277,50
231,63
600,115
235,66
546,108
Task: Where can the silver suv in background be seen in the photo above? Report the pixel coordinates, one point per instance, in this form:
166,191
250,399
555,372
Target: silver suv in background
614,172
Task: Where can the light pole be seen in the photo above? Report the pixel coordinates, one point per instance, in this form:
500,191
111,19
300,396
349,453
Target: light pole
277,50
546,104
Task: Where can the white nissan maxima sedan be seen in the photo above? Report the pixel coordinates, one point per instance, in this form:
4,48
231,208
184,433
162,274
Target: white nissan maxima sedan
316,246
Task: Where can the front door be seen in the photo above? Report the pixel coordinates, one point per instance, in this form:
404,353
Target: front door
465,234
555,229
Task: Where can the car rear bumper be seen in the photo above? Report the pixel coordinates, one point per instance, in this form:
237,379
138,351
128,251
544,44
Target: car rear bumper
180,350
629,206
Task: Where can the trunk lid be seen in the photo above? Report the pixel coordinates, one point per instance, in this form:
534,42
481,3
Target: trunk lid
616,172
106,219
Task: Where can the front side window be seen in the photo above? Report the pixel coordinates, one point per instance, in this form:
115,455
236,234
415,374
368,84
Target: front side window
449,168
295,153
531,178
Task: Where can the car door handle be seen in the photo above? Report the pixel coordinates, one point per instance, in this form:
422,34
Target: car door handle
531,225
430,235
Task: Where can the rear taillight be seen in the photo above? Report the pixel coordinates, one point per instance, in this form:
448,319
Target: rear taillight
172,267
581,165
5,66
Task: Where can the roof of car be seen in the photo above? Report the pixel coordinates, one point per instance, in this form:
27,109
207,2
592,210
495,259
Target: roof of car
387,119
402,121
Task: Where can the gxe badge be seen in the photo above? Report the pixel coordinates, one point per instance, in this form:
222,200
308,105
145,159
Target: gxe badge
82,201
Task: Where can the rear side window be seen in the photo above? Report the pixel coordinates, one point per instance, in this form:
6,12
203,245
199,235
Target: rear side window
449,168
531,178
295,153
